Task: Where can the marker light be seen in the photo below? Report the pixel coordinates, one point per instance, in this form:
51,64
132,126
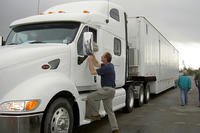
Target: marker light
85,11
50,12
61,12
31,105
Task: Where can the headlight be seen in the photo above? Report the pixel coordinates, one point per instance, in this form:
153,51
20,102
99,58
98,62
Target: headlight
19,106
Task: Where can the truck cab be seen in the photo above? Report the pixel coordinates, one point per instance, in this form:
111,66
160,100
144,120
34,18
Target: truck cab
45,71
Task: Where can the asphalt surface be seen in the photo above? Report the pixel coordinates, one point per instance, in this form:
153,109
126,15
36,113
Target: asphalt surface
163,114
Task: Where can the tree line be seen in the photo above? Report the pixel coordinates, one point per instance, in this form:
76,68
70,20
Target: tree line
190,71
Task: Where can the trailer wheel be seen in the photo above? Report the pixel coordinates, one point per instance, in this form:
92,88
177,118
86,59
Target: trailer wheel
129,100
147,93
59,117
140,100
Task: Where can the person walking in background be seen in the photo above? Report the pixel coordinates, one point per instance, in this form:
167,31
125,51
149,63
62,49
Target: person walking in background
184,83
106,93
197,82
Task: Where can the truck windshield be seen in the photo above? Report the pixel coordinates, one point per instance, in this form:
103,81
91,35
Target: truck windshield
63,33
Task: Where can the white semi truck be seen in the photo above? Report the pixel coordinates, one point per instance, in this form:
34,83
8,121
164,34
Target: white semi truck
44,72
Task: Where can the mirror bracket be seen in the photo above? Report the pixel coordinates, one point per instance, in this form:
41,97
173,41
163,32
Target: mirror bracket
1,41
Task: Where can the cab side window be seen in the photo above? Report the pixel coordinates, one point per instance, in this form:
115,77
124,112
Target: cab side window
114,13
117,46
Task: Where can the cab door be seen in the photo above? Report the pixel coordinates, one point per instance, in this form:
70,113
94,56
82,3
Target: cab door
83,79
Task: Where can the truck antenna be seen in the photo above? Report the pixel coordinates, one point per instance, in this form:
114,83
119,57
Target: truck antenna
38,7
107,20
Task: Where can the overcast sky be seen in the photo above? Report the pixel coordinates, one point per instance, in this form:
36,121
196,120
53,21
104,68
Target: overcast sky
177,20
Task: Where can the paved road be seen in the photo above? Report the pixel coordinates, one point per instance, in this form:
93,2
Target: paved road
163,114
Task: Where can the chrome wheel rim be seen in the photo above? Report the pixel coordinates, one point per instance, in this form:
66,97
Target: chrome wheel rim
148,95
60,121
131,100
142,98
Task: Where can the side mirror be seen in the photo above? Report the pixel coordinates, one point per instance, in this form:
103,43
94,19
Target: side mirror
88,43
1,41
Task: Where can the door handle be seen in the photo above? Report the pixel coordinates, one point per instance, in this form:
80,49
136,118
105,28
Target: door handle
95,79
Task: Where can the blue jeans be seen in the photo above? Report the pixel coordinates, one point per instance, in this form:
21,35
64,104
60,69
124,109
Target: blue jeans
184,97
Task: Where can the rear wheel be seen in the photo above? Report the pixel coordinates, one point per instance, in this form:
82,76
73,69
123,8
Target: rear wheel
140,100
59,117
129,99
147,93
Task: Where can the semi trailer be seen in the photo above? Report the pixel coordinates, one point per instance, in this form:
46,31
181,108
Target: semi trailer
44,70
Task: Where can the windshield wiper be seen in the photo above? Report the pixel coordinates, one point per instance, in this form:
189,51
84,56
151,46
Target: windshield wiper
30,42
13,43
36,42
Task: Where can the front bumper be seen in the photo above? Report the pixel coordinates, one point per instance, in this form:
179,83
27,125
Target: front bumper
21,123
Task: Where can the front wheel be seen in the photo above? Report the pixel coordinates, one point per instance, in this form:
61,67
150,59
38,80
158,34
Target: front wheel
129,99
59,117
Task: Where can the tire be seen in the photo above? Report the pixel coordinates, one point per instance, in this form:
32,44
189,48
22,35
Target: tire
59,117
140,100
129,100
147,93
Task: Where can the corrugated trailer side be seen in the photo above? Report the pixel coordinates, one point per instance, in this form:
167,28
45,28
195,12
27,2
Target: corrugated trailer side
157,58
168,66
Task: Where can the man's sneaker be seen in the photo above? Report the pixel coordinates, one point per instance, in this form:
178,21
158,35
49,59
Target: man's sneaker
116,131
97,117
